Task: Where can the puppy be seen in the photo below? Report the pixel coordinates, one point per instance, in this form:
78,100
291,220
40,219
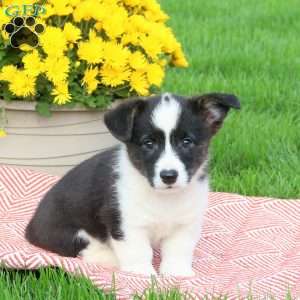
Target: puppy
150,191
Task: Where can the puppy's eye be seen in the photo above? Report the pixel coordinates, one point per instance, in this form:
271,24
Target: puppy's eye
148,144
187,142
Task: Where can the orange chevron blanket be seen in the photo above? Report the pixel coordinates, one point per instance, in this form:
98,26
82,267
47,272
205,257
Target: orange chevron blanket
248,243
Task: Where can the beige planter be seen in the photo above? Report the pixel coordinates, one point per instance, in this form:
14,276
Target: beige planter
53,145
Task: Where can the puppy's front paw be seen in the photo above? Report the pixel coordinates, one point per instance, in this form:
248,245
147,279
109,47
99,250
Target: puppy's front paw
147,270
176,270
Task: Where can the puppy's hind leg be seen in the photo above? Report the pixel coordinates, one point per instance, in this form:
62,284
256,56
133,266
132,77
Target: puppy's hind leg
59,240
97,251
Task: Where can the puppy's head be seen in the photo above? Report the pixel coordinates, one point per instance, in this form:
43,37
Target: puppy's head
167,136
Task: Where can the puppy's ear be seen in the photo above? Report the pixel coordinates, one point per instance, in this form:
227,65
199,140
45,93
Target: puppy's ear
214,107
120,120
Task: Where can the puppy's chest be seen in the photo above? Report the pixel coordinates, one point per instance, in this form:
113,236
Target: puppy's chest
158,215
158,219
159,231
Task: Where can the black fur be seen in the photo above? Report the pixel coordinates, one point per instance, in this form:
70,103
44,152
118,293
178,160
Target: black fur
83,199
120,120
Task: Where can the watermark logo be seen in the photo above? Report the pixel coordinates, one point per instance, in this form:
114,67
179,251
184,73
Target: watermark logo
23,28
24,10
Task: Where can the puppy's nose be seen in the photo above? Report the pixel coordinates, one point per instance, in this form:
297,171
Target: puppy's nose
168,176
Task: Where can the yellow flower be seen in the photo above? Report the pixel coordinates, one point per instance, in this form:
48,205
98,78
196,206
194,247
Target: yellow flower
32,63
9,2
114,25
72,33
149,4
153,11
180,62
137,61
178,59
2,133
138,23
114,20
115,54
8,72
114,76
4,19
170,43
88,9
22,84
49,11
4,35
139,83
165,36
74,2
151,46
91,50
99,25
61,93
26,48
61,7
155,74
90,79
133,3
130,38
128,45
57,68
53,41
156,16
111,2
162,62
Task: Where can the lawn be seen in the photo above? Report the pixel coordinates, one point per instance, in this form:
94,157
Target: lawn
251,49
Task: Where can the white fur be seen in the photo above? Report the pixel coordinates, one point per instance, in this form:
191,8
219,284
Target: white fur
96,251
167,113
150,218
165,117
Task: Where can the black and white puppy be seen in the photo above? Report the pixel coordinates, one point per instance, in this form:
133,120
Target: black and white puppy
150,191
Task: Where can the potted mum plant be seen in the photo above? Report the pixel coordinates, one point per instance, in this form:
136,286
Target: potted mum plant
90,53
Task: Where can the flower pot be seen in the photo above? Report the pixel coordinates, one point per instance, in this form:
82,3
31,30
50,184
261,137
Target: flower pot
53,145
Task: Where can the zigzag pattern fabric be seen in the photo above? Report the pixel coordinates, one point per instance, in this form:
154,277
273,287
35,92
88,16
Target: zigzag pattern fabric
248,243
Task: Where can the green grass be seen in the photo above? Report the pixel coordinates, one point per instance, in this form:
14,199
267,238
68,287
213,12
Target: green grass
251,49
48,284
54,284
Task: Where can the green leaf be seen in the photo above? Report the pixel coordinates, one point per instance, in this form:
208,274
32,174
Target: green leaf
122,93
5,93
154,89
11,56
2,54
102,101
43,108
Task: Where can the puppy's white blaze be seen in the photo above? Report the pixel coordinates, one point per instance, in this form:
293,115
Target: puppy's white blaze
170,161
165,117
166,114
96,251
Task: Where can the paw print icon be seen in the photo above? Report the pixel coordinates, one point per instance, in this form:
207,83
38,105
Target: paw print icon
24,30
